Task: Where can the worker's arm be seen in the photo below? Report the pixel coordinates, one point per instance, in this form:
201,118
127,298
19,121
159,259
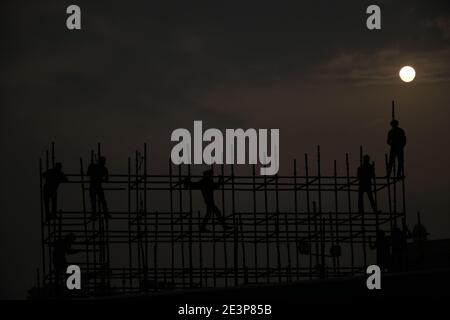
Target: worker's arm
389,138
188,184
106,176
372,171
89,170
219,183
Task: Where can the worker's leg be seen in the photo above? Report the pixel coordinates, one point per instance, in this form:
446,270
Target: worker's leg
219,216
391,162
93,197
46,203
101,197
361,201
54,199
400,159
372,200
208,214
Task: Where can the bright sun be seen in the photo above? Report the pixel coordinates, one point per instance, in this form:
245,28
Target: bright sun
407,73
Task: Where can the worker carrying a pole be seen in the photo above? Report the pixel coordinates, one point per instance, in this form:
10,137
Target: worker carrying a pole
366,174
53,178
207,186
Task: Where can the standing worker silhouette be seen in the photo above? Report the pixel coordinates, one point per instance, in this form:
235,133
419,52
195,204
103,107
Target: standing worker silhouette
98,174
207,186
396,139
53,177
366,174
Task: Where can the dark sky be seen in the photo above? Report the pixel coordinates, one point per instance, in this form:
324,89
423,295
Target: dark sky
137,71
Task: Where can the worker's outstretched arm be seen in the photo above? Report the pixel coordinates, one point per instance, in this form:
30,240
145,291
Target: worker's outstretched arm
89,170
188,184
106,177
219,183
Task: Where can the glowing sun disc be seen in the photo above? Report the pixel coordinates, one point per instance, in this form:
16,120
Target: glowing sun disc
407,73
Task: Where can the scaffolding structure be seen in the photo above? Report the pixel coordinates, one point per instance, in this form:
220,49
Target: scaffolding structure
305,225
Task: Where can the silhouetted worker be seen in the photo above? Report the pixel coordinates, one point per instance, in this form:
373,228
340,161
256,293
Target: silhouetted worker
207,186
98,174
366,174
420,235
399,246
53,177
63,247
382,246
396,140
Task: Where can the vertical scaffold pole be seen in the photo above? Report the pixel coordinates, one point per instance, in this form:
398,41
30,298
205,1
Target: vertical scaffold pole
255,224
308,212
277,228
181,222
363,222
146,214
266,209
130,240
85,220
225,241
388,182
235,226
214,242
172,238
297,255
350,220
41,195
190,232
336,217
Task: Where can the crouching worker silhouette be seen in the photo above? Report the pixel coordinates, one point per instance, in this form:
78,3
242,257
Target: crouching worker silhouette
366,174
382,245
207,186
98,173
63,247
53,177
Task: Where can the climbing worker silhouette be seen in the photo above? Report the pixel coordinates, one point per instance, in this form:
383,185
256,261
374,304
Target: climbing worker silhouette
382,246
207,186
63,247
396,140
366,174
98,174
53,177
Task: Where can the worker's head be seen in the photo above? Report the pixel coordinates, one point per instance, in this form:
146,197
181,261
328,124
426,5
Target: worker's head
102,161
394,123
366,158
58,166
208,173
